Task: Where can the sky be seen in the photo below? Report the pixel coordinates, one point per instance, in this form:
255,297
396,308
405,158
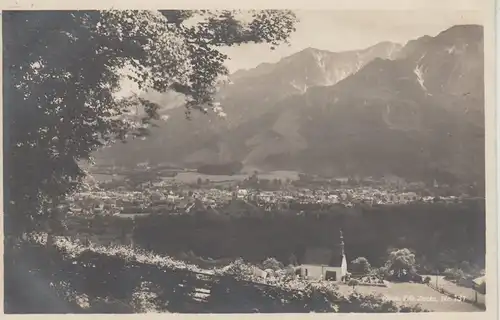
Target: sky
341,30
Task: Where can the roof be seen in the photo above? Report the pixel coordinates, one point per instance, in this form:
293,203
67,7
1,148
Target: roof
323,256
479,281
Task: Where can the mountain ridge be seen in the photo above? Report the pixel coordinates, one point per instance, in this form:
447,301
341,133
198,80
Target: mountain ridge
424,100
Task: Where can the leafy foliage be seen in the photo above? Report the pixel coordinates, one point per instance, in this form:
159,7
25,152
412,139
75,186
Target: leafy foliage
454,274
401,263
380,273
273,264
63,75
122,280
360,265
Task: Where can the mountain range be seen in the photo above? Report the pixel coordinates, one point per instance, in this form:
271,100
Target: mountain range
415,111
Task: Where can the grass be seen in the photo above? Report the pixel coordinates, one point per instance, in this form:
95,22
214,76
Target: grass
456,289
192,177
415,293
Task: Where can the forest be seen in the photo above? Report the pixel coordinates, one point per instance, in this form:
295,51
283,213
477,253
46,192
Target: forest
442,235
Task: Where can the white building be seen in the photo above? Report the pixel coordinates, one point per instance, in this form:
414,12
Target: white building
242,193
324,263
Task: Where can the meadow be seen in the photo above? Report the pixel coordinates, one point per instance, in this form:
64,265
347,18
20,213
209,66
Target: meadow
419,293
192,177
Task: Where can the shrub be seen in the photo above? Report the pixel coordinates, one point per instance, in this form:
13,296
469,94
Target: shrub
370,304
360,265
412,308
381,273
273,264
453,274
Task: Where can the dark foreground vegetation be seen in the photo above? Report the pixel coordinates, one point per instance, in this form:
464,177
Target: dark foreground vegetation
120,280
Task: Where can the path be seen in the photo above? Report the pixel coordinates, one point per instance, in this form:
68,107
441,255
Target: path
451,287
204,287
413,293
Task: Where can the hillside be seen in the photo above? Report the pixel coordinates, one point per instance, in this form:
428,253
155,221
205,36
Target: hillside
249,94
420,117
415,111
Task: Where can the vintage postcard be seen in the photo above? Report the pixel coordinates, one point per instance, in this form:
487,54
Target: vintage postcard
270,159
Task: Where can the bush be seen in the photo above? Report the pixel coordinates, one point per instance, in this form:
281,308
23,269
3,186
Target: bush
453,274
273,264
238,269
427,280
356,302
413,308
381,273
360,265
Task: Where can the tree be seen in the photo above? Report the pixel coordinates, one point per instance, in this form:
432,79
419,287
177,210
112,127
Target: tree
253,180
401,263
466,267
273,264
360,265
293,260
263,184
63,70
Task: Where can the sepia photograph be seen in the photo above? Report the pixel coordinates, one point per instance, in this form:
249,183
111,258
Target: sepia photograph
223,161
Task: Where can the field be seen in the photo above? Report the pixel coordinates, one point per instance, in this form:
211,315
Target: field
107,177
415,293
192,177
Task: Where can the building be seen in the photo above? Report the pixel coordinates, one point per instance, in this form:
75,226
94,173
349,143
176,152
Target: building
324,263
479,285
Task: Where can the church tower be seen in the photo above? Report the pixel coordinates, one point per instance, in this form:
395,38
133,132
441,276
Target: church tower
342,252
343,265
